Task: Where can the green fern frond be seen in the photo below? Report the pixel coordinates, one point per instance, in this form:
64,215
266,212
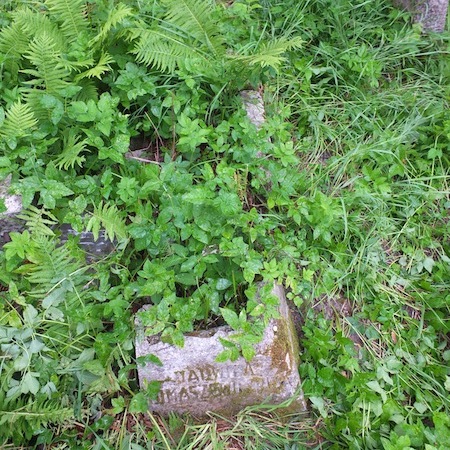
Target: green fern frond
21,417
48,264
108,217
72,17
71,151
97,71
115,17
194,17
186,31
79,64
38,220
33,24
13,41
13,44
271,53
18,122
88,90
161,51
49,74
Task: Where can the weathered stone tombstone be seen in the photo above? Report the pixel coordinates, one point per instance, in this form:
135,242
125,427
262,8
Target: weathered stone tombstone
432,14
193,382
10,222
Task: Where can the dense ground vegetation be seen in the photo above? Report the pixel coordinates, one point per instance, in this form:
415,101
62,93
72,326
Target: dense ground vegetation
343,196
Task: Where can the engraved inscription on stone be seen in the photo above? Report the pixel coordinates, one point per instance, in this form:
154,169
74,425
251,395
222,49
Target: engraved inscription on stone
191,380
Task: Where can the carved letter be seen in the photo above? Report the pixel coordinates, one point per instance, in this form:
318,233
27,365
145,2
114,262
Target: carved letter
248,370
181,374
184,394
193,376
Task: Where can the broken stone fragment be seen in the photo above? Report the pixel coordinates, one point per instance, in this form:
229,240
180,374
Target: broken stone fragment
254,106
9,222
8,219
193,382
432,14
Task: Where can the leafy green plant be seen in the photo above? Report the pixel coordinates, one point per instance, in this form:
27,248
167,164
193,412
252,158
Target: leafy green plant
122,120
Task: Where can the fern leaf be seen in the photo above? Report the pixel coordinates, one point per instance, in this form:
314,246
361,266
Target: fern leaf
49,73
97,71
88,91
13,41
33,24
72,15
38,220
157,50
187,31
194,17
48,265
18,122
21,417
270,53
108,217
71,151
13,44
115,16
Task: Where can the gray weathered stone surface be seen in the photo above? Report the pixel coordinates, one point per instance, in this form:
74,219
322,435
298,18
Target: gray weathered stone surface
254,106
13,203
192,382
95,249
432,14
9,222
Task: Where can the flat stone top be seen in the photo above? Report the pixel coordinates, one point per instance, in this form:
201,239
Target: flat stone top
13,203
193,382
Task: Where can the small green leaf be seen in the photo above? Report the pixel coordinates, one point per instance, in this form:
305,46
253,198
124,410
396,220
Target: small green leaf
223,283
447,383
258,310
223,356
231,318
248,352
420,407
201,235
152,389
178,338
187,279
20,243
151,358
428,264
94,367
54,298
139,403
375,386
319,403
30,314
118,405
226,343
29,384
104,423
36,346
